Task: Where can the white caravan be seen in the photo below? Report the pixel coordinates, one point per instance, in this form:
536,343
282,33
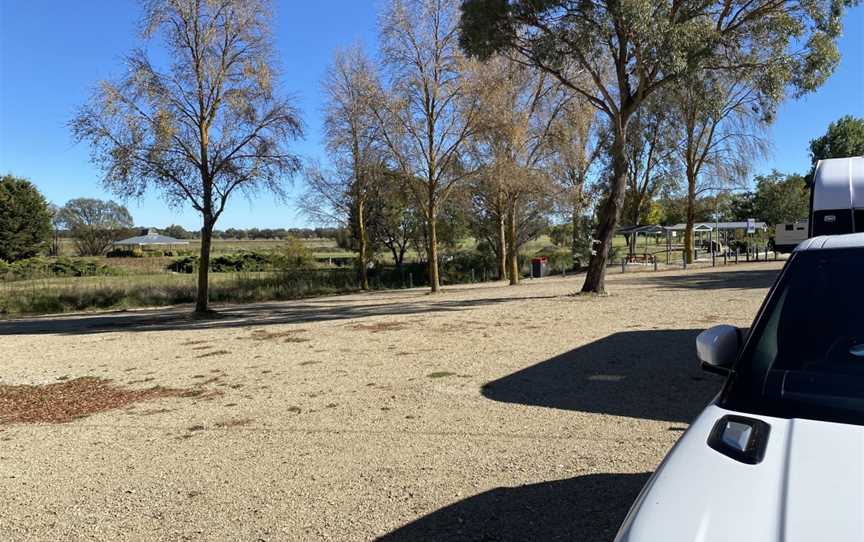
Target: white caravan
837,198
788,236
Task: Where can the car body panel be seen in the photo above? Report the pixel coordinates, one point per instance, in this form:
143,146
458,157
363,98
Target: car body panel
809,486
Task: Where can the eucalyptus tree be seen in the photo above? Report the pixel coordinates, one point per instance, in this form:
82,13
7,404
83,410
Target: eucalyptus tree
204,127
341,194
616,54
426,111
722,123
489,216
651,160
843,138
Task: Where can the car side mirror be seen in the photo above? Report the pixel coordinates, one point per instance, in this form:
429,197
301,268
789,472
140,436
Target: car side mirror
717,348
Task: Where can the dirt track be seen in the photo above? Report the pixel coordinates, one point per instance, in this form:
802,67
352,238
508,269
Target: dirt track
484,413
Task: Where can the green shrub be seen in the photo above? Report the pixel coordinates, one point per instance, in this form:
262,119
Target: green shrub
467,264
247,262
34,268
559,260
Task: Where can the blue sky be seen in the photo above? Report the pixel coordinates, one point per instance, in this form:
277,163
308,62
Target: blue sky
53,52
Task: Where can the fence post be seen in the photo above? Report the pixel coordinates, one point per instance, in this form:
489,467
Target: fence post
623,265
472,275
713,259
655,263
410,280
725,254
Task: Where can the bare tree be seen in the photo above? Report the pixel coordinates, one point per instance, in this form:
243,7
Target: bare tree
353,145
512,140
204,128
577,142
722,123
427,112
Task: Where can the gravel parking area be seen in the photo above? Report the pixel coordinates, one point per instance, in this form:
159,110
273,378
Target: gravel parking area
483,413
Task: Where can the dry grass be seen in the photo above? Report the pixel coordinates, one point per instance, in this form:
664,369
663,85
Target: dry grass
379,327
72,399
289,336
239,422
214,353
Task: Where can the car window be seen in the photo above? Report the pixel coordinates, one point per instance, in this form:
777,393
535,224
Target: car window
806,352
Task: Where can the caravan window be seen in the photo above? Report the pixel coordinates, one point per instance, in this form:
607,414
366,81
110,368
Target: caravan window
789,227
859,220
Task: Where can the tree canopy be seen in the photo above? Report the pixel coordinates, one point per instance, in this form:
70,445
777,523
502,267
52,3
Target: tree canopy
617,54
94,223
781,198
844,138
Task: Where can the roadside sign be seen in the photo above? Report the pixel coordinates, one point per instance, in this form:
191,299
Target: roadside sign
751,225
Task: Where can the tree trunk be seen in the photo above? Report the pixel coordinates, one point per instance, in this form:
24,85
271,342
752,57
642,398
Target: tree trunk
202,296
511,243
502,247
575,241
595,279
691,215
432,245
362,241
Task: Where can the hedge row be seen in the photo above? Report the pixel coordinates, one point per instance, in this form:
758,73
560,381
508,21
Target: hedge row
32,268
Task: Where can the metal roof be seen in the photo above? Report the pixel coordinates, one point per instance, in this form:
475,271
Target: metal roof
710,226
649,229
151,239
848,240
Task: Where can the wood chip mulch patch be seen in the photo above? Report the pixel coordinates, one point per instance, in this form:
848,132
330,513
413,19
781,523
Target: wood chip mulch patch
72,399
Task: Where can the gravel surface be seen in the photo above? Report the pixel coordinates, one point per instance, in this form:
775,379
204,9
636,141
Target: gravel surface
483,413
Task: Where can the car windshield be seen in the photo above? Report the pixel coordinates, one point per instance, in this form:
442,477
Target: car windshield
805,357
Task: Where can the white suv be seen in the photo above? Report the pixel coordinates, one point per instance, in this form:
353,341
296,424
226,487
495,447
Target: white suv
779,454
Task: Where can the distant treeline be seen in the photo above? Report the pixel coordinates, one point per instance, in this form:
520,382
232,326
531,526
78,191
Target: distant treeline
255,233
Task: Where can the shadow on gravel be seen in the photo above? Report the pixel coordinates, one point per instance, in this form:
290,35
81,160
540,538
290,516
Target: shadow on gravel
642,374
744,279
586,508
260,314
